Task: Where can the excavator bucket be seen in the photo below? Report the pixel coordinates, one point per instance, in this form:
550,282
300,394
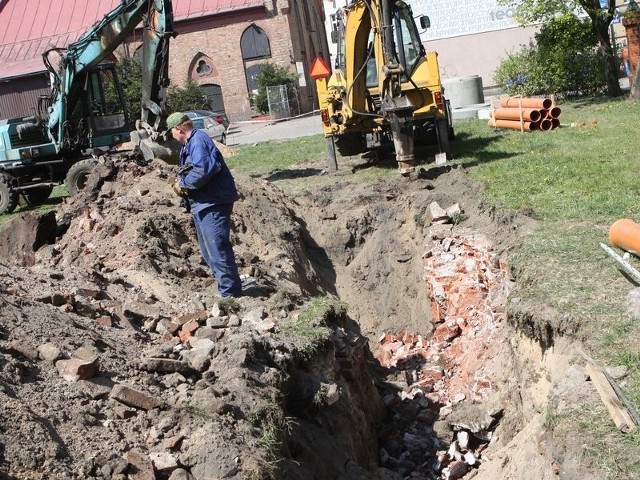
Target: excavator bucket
153,144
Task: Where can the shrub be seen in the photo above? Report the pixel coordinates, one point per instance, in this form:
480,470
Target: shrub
190,97
271,75
563,59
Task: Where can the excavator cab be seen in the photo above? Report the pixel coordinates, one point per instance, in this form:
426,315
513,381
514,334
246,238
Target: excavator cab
98,116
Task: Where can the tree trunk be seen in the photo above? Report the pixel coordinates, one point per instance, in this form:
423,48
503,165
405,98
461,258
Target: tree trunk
601,24
610,65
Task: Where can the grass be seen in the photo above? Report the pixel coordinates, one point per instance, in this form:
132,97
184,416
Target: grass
310,326
56,197
576,182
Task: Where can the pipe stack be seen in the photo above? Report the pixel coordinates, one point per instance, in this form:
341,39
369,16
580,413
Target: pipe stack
525,114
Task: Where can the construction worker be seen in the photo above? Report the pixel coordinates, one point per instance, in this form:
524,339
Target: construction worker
208,185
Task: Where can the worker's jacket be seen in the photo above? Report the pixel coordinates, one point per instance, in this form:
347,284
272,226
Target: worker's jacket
208,181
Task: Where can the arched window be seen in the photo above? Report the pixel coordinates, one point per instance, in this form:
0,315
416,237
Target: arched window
214,96
254,43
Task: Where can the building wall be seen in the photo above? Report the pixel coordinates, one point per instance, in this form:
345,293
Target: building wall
478,54
218,39
19,97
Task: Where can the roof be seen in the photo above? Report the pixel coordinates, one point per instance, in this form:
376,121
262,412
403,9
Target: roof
29,27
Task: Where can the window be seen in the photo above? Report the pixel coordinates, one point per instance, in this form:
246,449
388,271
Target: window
254,43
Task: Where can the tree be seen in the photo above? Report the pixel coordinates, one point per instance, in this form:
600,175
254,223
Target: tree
563,60
190,97
130,75
529,12
271,75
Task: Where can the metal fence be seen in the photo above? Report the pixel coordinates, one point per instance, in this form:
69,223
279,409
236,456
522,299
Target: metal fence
282,102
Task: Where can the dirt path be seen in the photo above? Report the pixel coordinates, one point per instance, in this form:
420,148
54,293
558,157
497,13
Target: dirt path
118,361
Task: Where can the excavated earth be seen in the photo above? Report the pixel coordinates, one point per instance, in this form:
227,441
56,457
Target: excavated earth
375,339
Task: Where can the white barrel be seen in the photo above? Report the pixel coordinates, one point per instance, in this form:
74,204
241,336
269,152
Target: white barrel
463,91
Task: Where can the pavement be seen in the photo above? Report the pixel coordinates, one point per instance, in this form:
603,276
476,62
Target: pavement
255,131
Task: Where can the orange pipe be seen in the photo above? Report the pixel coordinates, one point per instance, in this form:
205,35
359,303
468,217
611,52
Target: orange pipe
555,123
528,115
526,102
555,112
514,124
625,233
546,125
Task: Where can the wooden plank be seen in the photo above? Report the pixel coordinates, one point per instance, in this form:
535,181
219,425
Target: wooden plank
618,412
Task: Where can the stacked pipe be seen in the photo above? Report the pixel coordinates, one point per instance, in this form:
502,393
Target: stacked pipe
525,114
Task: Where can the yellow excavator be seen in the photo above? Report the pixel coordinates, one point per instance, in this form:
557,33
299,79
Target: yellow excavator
384,87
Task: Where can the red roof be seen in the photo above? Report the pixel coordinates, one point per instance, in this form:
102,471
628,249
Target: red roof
29,27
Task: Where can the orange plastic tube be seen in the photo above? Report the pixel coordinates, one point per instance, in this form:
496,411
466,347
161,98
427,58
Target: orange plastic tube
526,102
514,124
625,234
528,114
546,125
555,112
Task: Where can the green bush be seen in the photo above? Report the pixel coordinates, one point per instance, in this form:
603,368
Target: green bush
271,75
190,97
563,59
520,73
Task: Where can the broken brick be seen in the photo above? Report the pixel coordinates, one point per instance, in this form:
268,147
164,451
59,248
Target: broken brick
188,329
140,465
134,398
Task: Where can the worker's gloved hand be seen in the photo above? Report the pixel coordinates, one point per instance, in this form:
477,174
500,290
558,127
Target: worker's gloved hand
181,192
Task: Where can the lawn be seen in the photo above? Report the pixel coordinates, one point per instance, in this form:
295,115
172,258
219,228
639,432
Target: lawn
575,181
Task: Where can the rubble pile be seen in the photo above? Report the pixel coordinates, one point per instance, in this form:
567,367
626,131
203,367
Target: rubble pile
455,364
118,361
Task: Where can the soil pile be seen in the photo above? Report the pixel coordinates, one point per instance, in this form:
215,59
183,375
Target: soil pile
118,361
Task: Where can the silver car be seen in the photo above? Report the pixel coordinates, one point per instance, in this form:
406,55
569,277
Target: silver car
215,130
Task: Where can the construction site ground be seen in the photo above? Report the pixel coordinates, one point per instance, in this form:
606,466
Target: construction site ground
374,341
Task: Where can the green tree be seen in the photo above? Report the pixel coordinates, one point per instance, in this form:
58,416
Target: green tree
130,76
271,75
529,12
563,60
190,97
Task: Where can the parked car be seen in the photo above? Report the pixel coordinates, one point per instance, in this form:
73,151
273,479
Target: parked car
216,131
218,116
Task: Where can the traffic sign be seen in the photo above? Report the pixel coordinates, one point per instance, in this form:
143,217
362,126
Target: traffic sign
319,69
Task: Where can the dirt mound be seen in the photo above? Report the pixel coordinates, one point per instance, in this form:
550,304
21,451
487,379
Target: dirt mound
118,361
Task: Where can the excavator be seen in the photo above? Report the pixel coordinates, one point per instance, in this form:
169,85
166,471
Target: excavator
385,88
86,114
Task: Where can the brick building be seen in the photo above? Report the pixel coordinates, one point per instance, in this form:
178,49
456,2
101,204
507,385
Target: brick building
220,44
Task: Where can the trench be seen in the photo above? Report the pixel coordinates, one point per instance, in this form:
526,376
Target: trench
465,386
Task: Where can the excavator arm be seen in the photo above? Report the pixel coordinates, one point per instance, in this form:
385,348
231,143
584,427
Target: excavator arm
81,58
384,86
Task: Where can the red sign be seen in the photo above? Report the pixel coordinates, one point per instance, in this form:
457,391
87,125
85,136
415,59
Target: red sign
319,69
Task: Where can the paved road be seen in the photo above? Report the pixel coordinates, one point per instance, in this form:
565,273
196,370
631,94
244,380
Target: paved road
248,133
